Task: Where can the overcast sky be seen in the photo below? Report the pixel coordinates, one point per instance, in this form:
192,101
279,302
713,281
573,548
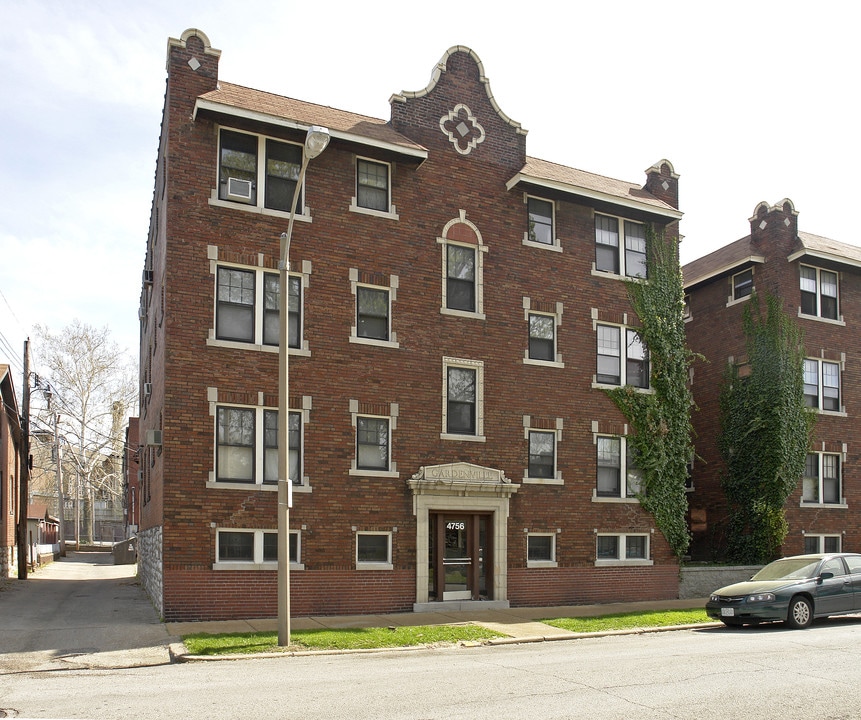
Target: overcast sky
750,101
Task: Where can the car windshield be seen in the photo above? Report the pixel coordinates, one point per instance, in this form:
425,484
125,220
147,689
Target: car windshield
788,569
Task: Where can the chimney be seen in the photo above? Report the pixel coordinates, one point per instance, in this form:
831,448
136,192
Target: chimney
774,229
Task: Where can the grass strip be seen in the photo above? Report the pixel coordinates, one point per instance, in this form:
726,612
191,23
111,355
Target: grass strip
347,639
628,621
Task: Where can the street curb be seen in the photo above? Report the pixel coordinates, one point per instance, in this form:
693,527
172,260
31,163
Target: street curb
179,653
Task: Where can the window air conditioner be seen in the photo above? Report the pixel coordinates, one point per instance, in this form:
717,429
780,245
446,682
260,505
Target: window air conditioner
153,437
147,389
238,189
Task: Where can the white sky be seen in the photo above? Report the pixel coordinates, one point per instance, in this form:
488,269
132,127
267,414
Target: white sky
750,101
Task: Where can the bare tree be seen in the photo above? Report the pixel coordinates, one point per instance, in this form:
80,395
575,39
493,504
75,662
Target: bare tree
92,385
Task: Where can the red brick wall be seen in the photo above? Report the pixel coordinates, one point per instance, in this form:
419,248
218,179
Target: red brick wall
590,586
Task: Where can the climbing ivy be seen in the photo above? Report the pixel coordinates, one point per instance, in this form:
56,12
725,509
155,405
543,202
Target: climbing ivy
661,420
765,431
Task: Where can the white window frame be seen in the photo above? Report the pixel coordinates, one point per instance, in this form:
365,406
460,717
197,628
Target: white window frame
259,271
392,291
621,247
392,212
622,544
820,384
554,243
303,212
257,563
364,565
623,355
259,450
478,367
733,286
549,563
820,480
557,438
480,249
392,419
557,323
818,314
623,496
820,542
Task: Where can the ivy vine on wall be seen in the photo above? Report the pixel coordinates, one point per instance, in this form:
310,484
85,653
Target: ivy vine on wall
661,419
765,431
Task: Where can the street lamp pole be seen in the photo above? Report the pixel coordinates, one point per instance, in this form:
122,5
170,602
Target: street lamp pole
316,141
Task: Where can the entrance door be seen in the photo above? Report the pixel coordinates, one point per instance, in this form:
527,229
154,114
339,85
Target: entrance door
459,556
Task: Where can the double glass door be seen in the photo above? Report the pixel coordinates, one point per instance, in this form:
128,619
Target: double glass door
459,556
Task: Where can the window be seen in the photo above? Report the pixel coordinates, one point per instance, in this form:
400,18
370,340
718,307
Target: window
235,546
235,310
372,443
613,549
460,277
818,292
235,443
283,163
238,169
372,313
611,371
542,320
821,482
742,284
541,550
241,175
462,268
539,221
372,185
616,460
374,424
542,337
248,310
822,385
241,548
608,258
247,445
374,551
815,544
375,295
463,399
542,454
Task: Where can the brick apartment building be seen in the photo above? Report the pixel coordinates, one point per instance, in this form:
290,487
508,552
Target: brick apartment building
131,479
819,281
456,308
10,467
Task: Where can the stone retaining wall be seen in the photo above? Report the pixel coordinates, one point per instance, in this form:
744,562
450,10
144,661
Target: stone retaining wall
150,567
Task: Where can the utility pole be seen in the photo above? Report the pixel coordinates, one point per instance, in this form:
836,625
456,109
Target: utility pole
24,469
58,450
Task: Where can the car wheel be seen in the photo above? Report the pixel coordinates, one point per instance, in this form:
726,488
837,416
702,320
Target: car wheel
800,613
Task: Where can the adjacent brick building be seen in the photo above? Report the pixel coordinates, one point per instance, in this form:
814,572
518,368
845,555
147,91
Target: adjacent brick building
456,307
819,281
10,473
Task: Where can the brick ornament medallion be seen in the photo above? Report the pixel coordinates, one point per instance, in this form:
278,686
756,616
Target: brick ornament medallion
464,131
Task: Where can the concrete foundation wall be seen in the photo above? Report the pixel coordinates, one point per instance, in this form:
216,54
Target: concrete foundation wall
700,582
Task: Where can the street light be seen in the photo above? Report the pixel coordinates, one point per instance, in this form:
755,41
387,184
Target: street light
316,141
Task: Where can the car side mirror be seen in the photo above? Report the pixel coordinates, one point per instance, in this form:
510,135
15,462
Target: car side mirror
826,576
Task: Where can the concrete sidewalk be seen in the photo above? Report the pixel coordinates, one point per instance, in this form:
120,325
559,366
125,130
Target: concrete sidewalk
518,624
